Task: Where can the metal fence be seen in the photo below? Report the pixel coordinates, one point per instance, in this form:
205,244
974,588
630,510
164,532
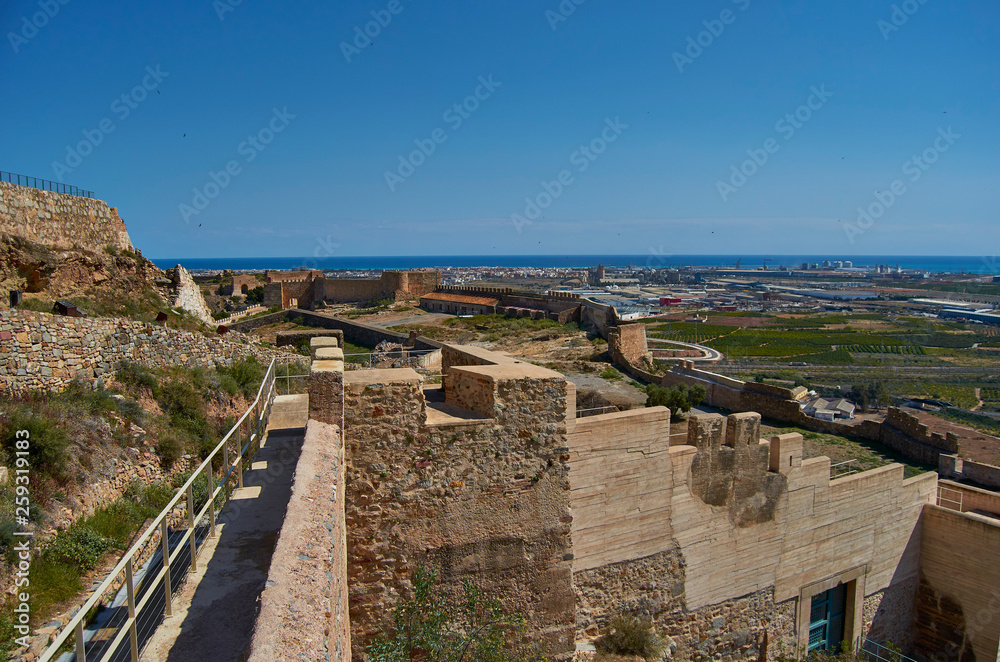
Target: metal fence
140,588
841,469
596,411
876,652
292,376
949,498
424,360
43,184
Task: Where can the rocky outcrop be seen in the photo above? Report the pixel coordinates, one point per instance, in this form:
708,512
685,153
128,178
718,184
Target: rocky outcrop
187,294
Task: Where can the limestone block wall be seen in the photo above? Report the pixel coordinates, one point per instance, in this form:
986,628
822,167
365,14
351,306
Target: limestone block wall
43,351
621,504
751,532
60,220
958,603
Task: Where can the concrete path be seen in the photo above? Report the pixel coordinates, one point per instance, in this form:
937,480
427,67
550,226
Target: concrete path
215,611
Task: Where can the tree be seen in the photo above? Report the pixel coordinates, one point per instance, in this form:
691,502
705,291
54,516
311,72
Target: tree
255,296
873,394
677,399
430,627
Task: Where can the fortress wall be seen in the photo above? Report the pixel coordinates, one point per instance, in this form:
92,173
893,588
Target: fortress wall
489,505
621,505
752,531
60,220
43,351
958,602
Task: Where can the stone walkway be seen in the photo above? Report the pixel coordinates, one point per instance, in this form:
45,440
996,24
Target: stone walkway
215,611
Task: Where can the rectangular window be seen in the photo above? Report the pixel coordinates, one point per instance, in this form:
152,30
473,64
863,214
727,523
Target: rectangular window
826,619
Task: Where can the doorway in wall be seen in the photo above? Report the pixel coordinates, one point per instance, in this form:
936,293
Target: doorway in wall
826,619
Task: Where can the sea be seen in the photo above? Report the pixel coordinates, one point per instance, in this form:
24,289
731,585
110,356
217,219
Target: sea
973,265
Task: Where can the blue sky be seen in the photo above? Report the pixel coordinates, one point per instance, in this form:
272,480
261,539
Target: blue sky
266,89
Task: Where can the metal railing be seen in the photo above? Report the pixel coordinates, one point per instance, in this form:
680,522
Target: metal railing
296,377
949,498
167,546
876,652
43,184
397,358
842,469
596,411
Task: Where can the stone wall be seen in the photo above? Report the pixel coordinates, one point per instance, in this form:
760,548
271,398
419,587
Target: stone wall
60,220
627,344
43,351
358,333
958,605
293,338
749,532
621,505
486,502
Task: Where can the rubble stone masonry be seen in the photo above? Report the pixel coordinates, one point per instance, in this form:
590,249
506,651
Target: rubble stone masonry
60,220
43,351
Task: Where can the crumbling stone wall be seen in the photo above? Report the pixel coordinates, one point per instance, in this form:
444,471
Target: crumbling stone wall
734,475
42,351
627,344
60,220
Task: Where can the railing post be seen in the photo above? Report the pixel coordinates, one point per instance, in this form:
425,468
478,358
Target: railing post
133,634
81,647
225,470
211,499
165,546
194,543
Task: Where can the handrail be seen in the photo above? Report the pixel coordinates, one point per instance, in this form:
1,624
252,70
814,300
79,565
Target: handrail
261,410
41,184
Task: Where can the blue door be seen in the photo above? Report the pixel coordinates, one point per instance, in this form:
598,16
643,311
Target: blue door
826,619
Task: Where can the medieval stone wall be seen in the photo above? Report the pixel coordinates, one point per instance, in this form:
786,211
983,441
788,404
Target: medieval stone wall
43,351
485,502
748,528
60,220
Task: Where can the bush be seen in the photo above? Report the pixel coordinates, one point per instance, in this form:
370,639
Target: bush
630,635
243,376
136,375
430,626
47,443
79,547
168,450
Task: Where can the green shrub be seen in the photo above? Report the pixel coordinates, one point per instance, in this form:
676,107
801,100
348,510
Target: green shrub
630,635
137,375
79,547
243,376
169,450
47,443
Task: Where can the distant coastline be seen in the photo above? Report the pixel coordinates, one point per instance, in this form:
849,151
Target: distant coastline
973,265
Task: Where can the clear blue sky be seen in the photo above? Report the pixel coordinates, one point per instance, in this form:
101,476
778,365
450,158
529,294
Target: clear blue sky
322,179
